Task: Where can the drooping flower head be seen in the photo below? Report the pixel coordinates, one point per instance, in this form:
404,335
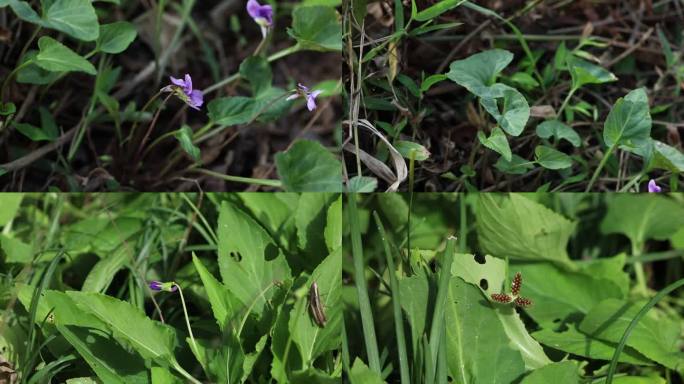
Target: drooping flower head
310,96
653,187
183,89
262,15
163,286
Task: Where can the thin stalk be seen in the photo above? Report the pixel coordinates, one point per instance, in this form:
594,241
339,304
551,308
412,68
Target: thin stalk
565,102
187,319
396,305
144,108
634,322
600,167
463,224
639,270
361,288
238,179
437,327
278,55
185,373
11,74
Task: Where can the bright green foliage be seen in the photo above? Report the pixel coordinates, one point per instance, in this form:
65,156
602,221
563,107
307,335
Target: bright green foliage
116,37
496,142
479,71
584,72
559,373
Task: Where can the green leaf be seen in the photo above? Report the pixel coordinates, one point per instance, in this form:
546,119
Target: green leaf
7,109
24,11
333,226
654,335
521,229
248,258
312,339
559,294
310,217
257,71
667,157
514,112
223,303
492,271
420,153
32,132
90,337
642,217
56,57
558,130
476,342
629,122
102,274
437,9
229,111
477,72
10,203
317,28
15,250
550,158
184,137
564,372
116,37
516,166
361,374
572,341
362,184
32,73
76,18
432,80
583,72
152,340
497,142
309,167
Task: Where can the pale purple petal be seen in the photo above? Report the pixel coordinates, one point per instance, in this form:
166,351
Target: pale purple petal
262,14
653,187
155,285
188,84
196,99
315,94
303,87
310,102
178,82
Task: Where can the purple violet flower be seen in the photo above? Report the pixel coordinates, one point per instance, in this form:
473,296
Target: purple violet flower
303,91
653,187
262,15
183,89
160,286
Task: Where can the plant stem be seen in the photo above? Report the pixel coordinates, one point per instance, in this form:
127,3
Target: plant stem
600,166
278,55
187,319
565,102
639,270
238,179
11,74
185,373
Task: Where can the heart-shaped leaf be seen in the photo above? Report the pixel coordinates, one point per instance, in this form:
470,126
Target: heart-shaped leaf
550,158
558,130
497,142
514,112
308,166
629,122
56,57
477,72
317,28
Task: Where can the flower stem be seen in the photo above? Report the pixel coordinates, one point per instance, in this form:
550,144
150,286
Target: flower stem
600,166
185,373
278,55
187,319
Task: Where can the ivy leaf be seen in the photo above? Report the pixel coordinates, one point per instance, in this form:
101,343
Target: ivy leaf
629,122
477,72
56,57
497,142
515,110
558,130
550,158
